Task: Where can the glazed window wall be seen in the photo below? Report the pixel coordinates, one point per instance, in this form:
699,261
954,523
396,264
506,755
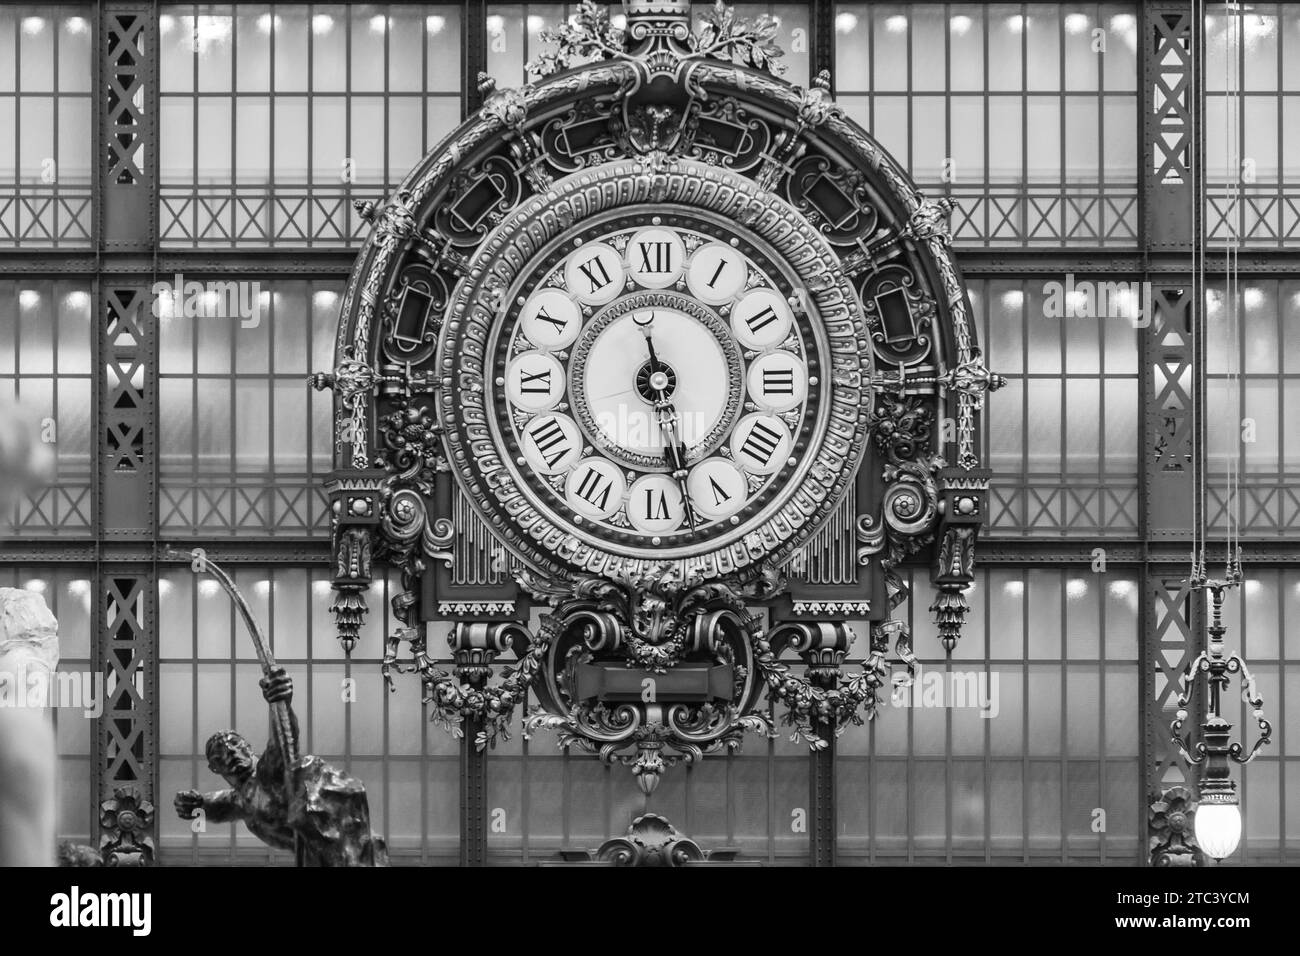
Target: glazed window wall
276,117
1062,436
245,444
1252,124
1012,751
45,367
1254,390
953,91
45,109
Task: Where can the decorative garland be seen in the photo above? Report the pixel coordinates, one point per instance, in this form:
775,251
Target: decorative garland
809,707
455,702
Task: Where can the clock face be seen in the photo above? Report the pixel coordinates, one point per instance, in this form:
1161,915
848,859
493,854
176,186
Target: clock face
636,374
655,385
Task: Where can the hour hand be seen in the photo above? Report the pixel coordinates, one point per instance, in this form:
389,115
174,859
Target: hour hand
647,326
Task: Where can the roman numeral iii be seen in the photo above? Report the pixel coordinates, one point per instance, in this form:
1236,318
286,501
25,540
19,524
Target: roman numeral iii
778,381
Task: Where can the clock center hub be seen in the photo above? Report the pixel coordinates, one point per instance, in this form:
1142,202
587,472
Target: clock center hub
656,384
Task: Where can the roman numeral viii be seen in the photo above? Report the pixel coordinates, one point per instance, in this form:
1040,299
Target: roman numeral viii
549,436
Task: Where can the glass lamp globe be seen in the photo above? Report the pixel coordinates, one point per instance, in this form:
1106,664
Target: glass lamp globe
1218,828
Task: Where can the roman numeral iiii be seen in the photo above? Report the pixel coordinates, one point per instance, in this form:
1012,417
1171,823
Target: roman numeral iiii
761,442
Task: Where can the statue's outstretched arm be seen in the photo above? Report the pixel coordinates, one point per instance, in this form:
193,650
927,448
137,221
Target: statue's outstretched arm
218,806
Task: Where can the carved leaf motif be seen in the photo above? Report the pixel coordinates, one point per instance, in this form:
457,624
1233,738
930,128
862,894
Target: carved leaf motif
587,35
724,36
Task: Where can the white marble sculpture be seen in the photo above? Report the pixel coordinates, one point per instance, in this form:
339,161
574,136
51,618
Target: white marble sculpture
29,654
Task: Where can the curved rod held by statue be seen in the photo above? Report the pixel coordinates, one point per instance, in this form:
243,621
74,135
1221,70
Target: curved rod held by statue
290,802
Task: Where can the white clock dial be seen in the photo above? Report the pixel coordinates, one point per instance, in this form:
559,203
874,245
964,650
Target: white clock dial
551,443
594,273
619,396
550,319
762,319
717,488
595,488
717,273
534,381
655,504
777,381
655,386
761,443
655,258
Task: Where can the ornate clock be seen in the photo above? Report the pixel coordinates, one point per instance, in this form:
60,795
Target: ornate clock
660,346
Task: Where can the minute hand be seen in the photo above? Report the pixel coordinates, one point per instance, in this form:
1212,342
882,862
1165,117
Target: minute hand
669,424
674,452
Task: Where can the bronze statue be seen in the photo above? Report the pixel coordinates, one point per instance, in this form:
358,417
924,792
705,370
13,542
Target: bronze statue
286,801
316,802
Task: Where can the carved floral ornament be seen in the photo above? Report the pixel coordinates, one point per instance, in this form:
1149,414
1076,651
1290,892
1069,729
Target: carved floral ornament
650,649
